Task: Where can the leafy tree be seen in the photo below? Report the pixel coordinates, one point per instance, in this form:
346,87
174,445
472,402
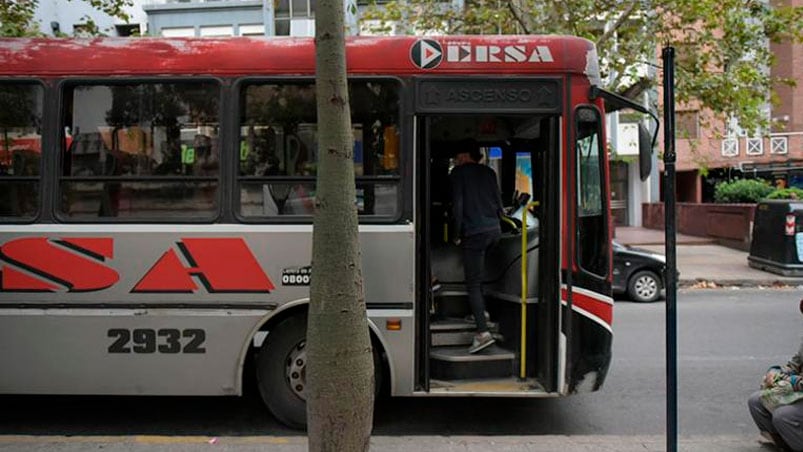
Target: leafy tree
722,45
17,16
340,378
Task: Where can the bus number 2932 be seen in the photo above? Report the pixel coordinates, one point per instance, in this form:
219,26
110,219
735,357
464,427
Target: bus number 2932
166,340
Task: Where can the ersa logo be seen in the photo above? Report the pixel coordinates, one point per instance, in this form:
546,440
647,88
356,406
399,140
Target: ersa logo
428,53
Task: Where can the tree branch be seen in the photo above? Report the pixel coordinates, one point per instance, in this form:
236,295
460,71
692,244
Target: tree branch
517,15
618,23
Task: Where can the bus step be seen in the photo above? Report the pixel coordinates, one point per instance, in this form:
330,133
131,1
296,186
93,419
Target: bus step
455,363
451,303
447,332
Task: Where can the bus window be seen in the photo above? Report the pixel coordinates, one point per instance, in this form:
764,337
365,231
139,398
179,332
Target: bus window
591,218
279,148
143,151
20,150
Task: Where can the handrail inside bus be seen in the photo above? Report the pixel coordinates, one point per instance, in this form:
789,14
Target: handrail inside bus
523,366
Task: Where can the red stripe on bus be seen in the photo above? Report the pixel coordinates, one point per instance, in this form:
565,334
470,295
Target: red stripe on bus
595,306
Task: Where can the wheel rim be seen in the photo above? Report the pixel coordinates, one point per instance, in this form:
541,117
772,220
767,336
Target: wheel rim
646,287
296,370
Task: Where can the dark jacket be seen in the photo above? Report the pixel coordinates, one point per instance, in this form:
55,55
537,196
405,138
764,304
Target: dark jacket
475,199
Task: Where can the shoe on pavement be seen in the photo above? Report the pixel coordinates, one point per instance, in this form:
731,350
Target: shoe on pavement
481,342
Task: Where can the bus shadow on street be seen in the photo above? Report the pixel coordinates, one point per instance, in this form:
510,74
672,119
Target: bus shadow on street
246,416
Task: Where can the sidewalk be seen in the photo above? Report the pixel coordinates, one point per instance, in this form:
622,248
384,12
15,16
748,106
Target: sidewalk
701,261
546,443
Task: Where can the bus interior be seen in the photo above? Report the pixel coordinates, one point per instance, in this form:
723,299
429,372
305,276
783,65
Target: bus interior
523,151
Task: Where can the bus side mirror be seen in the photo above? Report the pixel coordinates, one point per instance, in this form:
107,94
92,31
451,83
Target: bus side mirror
644,152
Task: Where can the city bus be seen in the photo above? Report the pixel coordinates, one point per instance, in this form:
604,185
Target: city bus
156,237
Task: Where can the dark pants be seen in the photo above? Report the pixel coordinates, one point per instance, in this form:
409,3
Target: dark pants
784,421
474,248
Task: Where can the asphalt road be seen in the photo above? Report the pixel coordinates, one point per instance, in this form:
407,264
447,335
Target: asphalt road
727,338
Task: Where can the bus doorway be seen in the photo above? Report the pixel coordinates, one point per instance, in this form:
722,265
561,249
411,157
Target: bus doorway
523,152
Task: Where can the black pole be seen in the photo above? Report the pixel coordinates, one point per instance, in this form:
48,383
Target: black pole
671,262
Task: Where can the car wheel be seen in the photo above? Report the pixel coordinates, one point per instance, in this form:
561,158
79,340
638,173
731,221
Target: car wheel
644,286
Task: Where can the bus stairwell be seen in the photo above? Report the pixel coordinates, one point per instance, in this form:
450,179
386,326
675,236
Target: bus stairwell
517,362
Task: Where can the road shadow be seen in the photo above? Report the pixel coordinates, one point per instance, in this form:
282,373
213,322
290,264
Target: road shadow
246,416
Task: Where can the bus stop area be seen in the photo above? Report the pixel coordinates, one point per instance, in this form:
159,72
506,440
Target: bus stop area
539,443
703,263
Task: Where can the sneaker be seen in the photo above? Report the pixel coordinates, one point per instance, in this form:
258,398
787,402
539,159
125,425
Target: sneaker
470,318
435,285
481,342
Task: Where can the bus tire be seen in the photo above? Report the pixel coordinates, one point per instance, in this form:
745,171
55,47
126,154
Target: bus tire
281,358
278,362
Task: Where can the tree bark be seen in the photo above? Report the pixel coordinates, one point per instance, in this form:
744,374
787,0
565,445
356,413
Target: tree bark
340,379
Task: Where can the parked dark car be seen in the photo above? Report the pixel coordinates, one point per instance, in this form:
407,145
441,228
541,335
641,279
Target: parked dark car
638,273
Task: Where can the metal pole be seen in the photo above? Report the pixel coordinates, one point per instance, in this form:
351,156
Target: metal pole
671,261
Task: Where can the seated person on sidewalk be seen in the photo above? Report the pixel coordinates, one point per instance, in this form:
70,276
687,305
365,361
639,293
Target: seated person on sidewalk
777,408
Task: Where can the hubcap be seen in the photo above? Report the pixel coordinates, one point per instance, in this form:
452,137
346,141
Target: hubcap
646,286
297,370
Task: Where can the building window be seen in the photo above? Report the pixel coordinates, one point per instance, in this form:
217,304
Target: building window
295,18
252,30
687,125
126,30
779,145
217,31
730,147
755,146
184,32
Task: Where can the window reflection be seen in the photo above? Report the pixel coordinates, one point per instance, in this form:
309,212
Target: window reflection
20,150
278,141
141,151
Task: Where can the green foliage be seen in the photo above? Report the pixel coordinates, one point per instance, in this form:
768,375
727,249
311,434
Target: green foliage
742,190
721,44
786,193
17,17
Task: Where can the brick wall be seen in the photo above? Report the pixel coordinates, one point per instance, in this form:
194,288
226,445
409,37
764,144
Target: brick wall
729,224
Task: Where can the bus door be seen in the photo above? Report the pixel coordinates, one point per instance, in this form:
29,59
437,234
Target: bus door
587,291
522,145
424,276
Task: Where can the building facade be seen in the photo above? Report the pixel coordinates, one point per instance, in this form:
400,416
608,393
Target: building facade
709,155
56,18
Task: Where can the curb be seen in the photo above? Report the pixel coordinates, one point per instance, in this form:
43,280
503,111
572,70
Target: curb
705,283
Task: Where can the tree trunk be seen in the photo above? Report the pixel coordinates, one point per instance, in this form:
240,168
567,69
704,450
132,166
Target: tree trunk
340,379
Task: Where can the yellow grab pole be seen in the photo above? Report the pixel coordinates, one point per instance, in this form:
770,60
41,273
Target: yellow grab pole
523,367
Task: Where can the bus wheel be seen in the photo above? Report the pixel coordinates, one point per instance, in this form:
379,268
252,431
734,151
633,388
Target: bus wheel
644,286
281,372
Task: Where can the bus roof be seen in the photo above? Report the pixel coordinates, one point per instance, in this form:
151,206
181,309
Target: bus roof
404,55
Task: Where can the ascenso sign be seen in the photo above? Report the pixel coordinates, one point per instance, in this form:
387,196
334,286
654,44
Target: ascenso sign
80,264
429,53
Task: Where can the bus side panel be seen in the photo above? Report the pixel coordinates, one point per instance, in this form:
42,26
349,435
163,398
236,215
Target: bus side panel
156,352
154,310
592,339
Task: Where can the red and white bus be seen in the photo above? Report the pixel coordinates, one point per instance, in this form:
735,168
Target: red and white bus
158,240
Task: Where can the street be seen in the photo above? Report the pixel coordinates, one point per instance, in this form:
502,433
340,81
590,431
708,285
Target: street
727,339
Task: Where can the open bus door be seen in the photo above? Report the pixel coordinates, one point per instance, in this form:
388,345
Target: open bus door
512,292
424,275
